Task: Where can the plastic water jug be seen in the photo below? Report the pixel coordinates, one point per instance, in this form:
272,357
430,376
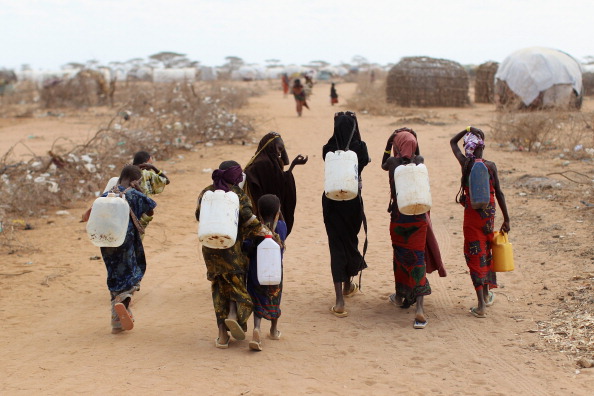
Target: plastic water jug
108,222
270,270
341,176
478,185
503,253
413,194
219,216
111,184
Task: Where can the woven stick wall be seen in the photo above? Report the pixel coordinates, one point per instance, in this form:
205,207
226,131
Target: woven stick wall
424,82
484,85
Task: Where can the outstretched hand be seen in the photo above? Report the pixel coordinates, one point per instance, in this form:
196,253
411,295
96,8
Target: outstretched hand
299,160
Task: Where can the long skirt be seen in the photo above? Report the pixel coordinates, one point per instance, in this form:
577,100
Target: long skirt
478,233
227,288
343,221
409,236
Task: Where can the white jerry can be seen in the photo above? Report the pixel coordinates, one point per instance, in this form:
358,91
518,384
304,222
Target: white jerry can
413,194
111,184
108,222
219,217
269,262
341,175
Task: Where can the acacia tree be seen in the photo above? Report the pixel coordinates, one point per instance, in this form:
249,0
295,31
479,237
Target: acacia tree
169,60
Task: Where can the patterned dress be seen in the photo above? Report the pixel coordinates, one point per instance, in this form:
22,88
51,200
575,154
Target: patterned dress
478,233
266,299
126,264
409,236
226,269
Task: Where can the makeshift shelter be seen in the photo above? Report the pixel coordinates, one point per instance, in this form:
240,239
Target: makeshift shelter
423,81
537,78
484,82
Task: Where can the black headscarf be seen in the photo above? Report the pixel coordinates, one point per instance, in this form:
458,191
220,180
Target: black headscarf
265,174
346,125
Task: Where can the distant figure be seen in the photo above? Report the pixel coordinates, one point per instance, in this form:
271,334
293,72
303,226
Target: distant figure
308,84
298,92
479,224
285,83
333,95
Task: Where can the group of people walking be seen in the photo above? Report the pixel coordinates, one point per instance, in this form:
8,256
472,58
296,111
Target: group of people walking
267,200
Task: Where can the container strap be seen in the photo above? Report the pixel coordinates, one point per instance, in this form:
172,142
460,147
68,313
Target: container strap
350,138
137,224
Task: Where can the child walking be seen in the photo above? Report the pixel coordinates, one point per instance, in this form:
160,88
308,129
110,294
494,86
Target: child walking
226,269
479,223
126,264
266,298
333,95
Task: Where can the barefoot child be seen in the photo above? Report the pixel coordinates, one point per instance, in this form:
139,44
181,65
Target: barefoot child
126,263
479,223
226,269
266,298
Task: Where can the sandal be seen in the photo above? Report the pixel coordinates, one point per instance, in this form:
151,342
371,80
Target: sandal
353,290
491,299
474,312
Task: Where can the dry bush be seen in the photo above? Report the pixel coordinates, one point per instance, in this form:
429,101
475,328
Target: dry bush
370,97
159,120
546,130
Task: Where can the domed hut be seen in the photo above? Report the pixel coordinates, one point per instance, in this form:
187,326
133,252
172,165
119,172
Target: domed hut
538,78
484,82
424,82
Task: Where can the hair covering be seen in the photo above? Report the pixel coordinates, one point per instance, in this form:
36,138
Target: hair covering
265,174
471,143
222,179
405,145
346,125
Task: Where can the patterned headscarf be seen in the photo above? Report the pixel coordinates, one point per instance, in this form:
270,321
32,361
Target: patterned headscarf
222,179
471,143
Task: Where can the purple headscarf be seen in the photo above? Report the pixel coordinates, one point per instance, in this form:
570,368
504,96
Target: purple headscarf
222,179
471,143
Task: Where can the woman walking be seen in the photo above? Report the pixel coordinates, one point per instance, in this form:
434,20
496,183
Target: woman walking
343,219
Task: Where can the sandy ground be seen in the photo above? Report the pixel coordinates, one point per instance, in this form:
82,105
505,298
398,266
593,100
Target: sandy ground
56,339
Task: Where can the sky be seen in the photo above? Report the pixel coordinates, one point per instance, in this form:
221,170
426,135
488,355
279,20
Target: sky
47,34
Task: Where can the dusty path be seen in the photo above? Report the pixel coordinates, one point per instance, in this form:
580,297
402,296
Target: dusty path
55,310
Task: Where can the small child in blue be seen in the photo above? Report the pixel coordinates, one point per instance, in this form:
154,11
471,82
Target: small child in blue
126,264
266,298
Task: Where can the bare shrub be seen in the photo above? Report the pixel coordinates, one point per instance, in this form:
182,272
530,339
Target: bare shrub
545,130
158,118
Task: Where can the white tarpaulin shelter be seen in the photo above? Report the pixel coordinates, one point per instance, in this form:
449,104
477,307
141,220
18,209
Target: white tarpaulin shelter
535,70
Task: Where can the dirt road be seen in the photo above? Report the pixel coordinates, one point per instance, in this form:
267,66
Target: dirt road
56,336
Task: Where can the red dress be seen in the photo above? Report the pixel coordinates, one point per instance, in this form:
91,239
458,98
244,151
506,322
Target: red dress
478,233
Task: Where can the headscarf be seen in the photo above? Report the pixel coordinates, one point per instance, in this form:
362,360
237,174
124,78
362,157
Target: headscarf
222,179
405,145
266,175
471,143
346,125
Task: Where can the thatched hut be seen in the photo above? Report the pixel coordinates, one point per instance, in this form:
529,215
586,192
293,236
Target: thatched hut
537,78
484,83
423,81
588,79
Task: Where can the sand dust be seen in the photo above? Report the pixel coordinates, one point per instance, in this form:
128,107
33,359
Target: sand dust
56,336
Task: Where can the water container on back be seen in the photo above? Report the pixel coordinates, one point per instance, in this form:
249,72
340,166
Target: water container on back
269,262
108,222
413,194
478,185
219,216
111,184
503,253
341,176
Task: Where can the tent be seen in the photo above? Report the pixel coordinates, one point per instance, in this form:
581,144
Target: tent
539,77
